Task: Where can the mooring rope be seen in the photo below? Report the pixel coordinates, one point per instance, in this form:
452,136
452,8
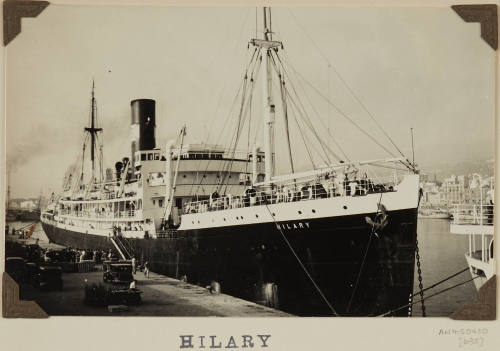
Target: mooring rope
364,257
442,281
301,264
425,298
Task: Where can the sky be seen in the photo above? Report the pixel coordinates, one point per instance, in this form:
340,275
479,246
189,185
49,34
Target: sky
420,68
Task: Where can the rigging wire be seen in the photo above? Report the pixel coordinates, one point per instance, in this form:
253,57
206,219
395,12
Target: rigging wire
299,113
233,104
300,262
219,101
342,113
304,140
254,56
351,91
285,113
309,124
361,268
314,109
308,121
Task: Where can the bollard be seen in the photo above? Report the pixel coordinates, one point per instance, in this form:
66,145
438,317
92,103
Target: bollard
267,294
214,287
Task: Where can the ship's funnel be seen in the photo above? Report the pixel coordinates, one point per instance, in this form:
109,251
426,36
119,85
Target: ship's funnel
143,123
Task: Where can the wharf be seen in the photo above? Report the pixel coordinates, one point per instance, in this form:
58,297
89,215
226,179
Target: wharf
162,296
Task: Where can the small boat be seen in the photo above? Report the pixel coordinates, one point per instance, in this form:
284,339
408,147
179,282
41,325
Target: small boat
433,213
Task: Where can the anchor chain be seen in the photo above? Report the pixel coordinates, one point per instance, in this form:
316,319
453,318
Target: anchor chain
420,285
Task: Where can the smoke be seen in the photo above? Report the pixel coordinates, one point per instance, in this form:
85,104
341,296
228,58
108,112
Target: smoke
23,150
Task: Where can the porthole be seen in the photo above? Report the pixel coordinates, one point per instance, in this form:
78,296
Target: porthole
192,222
241,217
237,217
256,216
274,214
198,222
345,207
224,219
300,212
313,211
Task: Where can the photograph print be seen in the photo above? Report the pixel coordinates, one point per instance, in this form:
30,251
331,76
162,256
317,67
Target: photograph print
250,162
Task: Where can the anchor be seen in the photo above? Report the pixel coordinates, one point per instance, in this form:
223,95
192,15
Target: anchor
380,221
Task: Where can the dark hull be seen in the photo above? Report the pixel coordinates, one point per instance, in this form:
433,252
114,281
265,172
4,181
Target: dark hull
242,258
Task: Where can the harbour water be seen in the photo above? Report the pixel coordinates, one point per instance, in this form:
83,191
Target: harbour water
441,255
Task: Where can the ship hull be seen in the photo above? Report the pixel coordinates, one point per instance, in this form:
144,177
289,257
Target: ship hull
360,273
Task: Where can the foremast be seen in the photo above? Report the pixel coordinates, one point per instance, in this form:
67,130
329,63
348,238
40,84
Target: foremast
266,45
92,130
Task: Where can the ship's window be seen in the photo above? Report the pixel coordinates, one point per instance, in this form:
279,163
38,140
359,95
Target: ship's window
184,176
205,156
237,217
345,207
274,214
204,176
300,212
157,156
154,202
224,219
178,202
313,211
160,203
256,216
143,157
150,157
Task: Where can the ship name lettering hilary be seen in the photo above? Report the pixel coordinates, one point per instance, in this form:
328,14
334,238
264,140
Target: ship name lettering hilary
293,225
216,342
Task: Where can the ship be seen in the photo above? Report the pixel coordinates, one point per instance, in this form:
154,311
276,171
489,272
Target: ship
25,215
329,241
476,222
433,213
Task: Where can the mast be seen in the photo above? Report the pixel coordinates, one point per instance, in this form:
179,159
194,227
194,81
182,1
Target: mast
92,130
267,45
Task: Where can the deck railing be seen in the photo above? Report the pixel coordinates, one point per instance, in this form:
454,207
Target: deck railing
129,214
472,214
167,234
303,191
